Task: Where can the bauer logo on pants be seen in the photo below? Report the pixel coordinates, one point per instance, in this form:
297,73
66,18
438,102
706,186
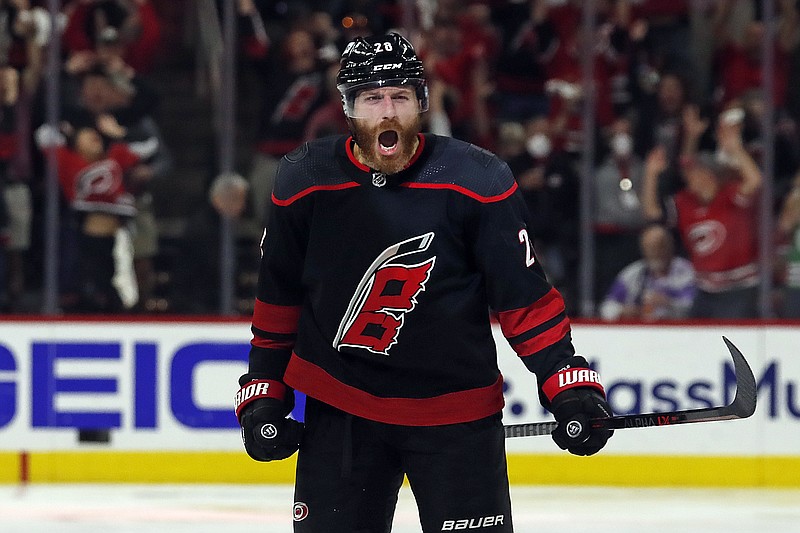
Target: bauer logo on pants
473,523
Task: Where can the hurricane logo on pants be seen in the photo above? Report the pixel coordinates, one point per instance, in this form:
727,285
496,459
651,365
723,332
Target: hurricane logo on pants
387,291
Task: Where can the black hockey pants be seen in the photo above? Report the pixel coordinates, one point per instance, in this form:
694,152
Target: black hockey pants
349,472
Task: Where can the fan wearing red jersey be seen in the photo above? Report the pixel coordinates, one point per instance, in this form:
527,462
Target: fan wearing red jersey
92,170
715,214
386,253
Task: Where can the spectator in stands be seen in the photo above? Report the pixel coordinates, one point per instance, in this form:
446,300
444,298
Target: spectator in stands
92,178
254,40
511,140
23,36
327,119
138,126
617,211
292,87
659,286
623,52
716,215
132,25
786,153
9,89
155,166
550,186
461,65
665,35
196,279
92,87
564,84
528,44
109,90
738,62
789,230
793,92
658,120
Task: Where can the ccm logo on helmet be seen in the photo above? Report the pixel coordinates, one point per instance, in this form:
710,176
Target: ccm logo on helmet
387,66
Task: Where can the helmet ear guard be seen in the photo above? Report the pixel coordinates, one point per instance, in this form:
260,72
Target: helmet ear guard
375,62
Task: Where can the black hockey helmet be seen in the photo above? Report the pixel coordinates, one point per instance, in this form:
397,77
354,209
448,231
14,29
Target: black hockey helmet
380,61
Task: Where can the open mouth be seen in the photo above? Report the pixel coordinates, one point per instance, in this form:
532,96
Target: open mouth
387,142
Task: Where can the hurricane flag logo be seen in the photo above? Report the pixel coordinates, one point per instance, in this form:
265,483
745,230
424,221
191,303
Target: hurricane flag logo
386,293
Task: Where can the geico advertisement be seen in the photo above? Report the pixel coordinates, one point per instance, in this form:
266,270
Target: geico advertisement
170,385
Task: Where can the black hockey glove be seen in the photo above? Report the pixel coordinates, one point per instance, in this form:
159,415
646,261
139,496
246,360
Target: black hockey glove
576,396
262,407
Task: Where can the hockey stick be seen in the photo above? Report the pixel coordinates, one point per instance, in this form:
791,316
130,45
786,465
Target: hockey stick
742,406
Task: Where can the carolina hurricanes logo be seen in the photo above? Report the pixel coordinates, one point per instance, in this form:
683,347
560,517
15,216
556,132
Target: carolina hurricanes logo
299,511
103,178
386,292
298,100
706,237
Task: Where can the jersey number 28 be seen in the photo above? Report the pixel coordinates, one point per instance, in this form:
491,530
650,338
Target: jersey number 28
525,239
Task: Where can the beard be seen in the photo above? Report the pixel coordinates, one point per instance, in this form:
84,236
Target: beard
368,140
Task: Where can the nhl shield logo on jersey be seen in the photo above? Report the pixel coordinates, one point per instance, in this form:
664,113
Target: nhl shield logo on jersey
386,293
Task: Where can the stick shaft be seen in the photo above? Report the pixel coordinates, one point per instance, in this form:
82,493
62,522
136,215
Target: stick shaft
742,406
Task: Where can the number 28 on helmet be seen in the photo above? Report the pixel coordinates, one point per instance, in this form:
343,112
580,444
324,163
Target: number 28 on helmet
375,62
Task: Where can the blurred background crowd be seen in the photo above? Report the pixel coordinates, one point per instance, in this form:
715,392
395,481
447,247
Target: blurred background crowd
655,141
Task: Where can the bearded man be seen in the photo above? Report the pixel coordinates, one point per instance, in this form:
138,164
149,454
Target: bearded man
386,251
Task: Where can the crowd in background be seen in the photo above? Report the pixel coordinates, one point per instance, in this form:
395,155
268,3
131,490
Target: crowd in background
677,116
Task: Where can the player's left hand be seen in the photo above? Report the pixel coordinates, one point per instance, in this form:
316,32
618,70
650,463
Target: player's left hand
576,396
573,410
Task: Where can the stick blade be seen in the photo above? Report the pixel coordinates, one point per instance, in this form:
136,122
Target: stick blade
744,402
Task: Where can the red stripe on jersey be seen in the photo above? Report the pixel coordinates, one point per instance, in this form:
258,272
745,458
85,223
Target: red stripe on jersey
306,192
543,340
463,190
276,318
452,408
260,342
418,152
518,321
348,147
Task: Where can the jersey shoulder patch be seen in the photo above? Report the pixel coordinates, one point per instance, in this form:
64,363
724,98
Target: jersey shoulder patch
309,167
468,168
297,154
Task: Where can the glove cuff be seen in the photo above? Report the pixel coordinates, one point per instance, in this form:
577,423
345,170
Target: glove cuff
258,389
571,377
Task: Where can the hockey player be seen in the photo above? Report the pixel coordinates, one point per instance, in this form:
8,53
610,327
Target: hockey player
385,253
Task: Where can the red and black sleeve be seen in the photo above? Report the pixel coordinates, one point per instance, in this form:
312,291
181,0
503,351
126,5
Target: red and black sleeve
280,292
530,311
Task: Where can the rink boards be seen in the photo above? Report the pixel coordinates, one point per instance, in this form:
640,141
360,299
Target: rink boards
165,389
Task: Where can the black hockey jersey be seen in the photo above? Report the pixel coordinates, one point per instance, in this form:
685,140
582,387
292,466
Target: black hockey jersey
376,292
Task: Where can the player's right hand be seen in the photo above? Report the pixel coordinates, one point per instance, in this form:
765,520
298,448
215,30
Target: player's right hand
267,434
262,406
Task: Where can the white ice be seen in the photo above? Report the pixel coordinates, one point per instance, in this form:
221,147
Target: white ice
123,508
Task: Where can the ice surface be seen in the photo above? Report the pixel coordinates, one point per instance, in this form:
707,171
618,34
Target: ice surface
126,508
